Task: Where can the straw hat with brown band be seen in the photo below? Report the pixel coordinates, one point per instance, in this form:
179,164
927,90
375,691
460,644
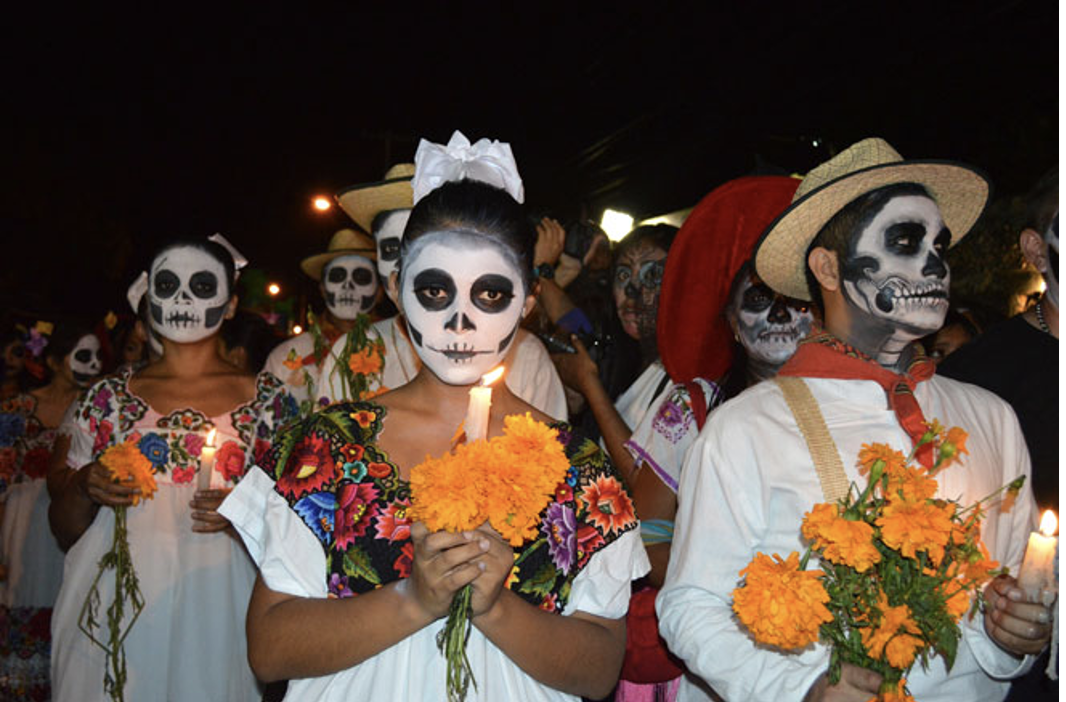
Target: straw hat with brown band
363,202
960,191
345,242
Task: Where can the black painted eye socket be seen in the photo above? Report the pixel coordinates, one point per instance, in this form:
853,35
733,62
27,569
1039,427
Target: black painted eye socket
336,275
651,274
83,356
757,298
492,293
204,284
390,249
942,242
904,238
165,284
434,289
362,276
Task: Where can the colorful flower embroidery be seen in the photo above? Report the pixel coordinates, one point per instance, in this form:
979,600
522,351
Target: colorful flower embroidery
229,461
361,516
155,449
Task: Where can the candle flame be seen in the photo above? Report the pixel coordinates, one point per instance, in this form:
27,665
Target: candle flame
211,438
492,376
1048,523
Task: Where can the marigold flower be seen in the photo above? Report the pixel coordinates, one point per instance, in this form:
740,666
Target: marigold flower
126,463
840,540
869,454
911,483
953,447
366,361
895,692
779,603
893,636
908,527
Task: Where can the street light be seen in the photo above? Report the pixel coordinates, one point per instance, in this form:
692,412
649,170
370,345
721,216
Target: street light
616,224
273,289
321,203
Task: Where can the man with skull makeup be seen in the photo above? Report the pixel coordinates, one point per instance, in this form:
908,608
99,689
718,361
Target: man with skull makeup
383,209
867,233
348,282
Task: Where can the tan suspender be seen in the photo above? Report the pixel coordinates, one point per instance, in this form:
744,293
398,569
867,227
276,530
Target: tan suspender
812,425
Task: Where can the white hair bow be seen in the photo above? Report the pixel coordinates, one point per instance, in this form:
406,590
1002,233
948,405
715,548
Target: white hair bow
239,261
487,161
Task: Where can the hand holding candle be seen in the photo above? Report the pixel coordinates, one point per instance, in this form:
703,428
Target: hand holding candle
1037,574
476,424
207,462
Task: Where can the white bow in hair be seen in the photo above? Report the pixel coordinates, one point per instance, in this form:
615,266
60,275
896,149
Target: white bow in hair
239,261
136,291
487,161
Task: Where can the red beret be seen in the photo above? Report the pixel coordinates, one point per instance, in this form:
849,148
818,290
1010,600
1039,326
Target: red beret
719,235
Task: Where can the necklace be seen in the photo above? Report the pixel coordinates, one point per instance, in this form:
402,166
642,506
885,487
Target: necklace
1040,318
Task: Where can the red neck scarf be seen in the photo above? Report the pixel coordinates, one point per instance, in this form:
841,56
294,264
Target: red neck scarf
822,355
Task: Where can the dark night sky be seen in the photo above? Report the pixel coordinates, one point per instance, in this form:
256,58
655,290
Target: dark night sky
128,127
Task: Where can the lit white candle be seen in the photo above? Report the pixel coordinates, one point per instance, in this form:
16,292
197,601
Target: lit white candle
207,462
476,424
1037,573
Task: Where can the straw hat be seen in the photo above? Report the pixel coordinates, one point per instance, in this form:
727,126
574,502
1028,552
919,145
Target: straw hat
343,243
960,191
363,202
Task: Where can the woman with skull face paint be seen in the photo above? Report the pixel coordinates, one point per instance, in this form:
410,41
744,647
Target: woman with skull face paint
32,564
639,261
188,641
464,284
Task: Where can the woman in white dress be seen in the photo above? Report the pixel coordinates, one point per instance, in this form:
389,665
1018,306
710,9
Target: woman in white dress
188,643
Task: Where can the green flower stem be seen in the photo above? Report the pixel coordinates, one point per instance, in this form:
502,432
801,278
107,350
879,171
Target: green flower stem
127,590
451,641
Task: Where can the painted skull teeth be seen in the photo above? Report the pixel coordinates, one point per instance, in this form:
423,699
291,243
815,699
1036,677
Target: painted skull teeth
459,353
182,319
895,291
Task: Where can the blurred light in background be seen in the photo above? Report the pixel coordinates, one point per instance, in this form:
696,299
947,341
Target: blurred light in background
321,203
616,224
273,289
297,329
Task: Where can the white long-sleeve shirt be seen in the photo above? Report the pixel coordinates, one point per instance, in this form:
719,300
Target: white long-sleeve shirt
745,485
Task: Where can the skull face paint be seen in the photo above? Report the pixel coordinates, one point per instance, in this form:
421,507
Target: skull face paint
349,284
187,294
895,270
463,297
769,325
1051,275
638,279
387,236
84,360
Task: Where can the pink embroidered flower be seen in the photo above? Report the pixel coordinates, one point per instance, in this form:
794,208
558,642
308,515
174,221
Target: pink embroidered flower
260,450
355,510
183,474
194,444
229,461
393,523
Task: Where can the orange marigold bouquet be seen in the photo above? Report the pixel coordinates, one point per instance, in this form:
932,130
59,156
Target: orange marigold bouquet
899,569
129,466
506,481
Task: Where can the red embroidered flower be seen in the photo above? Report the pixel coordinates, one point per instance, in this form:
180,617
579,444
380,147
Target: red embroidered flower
309,468
550,603
182,474
103,431
8,457
355,510
352,453
403,562
35,463
393,523
260,450
378,470
229,461
609,506
564,493
588,542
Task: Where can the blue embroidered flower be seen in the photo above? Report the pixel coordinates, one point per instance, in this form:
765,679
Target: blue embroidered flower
571,476
155,449
317,511
354,471
12,426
